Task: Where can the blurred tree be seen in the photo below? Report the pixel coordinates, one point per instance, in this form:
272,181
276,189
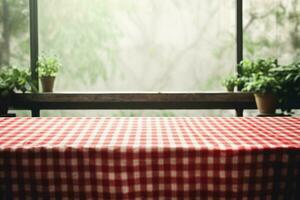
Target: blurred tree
286,15
13,28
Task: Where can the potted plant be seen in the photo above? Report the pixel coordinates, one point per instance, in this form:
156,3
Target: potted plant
12,80
47,68
256,77
230,83
265,89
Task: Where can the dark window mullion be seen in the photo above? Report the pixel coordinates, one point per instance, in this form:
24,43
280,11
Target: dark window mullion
34,47
239,42
239,32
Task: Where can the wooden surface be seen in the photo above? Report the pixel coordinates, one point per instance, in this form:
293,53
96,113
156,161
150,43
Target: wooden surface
136,100
147,100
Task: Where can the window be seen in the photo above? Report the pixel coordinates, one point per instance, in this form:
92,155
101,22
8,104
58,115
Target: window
150,45
147,45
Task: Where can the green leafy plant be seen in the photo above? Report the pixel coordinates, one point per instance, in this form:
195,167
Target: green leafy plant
230,82
262,84
48,66
288,77
241,81
248,67
255,76
13,79
266,76
251,71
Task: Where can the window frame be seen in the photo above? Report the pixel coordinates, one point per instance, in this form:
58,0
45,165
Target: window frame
34,52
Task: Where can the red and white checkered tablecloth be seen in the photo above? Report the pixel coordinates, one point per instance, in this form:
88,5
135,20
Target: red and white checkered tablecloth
153,158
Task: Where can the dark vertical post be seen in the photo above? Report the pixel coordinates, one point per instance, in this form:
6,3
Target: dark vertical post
34,47
239,41
239,31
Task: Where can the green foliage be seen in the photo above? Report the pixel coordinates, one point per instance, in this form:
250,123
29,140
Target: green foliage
288,77
266,76
254,76
230,82
48,66
262,84
248,67
13,79
241,81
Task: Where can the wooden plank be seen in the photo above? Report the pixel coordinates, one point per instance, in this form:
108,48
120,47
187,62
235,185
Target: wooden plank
146,100
136,100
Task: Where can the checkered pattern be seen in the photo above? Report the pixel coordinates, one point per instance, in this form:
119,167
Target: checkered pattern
154,158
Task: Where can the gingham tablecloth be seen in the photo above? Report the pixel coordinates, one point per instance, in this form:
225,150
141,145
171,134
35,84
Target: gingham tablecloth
137,158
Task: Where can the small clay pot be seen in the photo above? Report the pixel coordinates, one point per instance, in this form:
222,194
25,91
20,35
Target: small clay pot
47,83
266,103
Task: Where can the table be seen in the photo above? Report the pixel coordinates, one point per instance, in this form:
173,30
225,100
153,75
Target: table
153,158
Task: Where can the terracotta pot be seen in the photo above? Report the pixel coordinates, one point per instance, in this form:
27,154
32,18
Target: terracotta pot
266,103
47,83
